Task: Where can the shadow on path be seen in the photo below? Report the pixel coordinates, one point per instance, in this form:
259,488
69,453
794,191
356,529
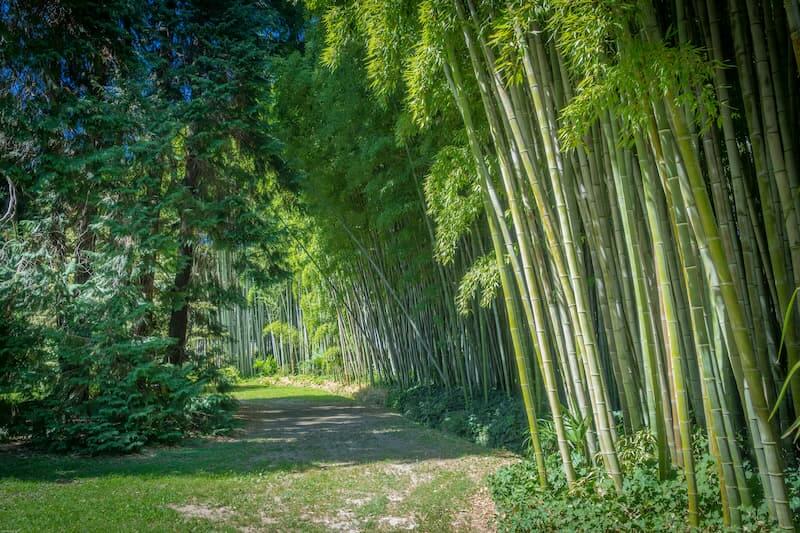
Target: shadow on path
344,433
289,434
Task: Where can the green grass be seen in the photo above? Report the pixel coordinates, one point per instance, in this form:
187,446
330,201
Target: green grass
253,390
253,480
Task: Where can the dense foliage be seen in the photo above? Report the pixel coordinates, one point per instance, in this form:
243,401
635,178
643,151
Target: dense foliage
644,504
497,423
136,138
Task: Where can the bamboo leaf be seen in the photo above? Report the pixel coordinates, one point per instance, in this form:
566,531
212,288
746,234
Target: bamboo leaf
786,317
784,388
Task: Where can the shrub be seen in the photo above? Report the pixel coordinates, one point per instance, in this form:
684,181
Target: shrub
211,413
327,363
499,422
645,503
793,486
226,378
84,384
456,422
267,366
152,403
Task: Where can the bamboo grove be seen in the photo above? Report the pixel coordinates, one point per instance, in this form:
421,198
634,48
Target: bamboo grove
610,221
366,297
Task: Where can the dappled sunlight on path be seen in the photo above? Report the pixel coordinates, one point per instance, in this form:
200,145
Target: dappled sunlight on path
343,433
301,460
393,468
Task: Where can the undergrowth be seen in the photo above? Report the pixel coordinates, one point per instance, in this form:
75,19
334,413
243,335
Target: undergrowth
645,503
144,404
497,423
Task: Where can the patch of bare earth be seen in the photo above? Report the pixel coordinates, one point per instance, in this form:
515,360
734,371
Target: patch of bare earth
205,512
479,515
398,522
344,520
348,521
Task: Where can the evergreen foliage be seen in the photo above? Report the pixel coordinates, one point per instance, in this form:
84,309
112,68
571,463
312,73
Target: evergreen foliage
138,139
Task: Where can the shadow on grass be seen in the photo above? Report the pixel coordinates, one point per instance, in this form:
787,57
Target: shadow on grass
247,387
292,433
313,398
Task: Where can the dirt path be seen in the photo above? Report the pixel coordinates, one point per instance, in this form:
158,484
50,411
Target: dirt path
342,433
304,461
391,474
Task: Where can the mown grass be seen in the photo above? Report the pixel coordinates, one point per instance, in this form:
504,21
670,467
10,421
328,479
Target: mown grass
253,390
228,484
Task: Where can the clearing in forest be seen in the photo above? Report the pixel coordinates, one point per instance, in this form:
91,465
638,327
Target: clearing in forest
304,460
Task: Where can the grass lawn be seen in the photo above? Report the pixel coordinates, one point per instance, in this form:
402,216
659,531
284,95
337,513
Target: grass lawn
305,460
253,390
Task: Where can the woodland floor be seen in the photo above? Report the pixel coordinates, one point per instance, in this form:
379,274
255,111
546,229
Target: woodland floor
304,460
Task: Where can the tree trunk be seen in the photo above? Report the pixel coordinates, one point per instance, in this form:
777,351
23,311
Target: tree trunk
85,243
179,319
